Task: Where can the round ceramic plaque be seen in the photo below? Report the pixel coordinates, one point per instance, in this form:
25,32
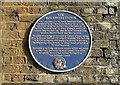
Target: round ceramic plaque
60,41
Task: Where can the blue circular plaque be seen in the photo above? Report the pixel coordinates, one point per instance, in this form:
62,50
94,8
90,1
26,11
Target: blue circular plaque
60,41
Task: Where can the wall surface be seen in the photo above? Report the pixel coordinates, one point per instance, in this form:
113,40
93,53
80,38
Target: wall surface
18,66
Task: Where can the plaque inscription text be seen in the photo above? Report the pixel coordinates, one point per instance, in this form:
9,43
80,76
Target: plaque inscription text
60,34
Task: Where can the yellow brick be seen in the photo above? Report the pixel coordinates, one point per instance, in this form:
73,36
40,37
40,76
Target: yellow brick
10,34
12,17
19,60
10,69
7,60
11,43
28,18
35,10
23,25
7,77
88,10
24,69
102,10
10,26
9,51
11,3
19,10
17,78
23,34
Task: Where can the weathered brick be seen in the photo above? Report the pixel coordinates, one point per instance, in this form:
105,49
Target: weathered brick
88,4
105,80
54,4
91,26
98,35
2,25
111,4
91,62
96,53
62,7
113,44
11,3
10,69
28,69
9,51
61,79
12,17
19,10
46,78
104,61
15,26
114,79
108,53
69,3
35,10
11,43
113,35
27,3
28,18
114,54
105,25
23,50
73,9
110,19
111,71
102,10
40,4
112,10
7,60
2,11
17,78
61,4
88,10
88,79
119,71
11,26
91,19
98,78
32,78
23,34
45,10
118,62
96,3
19,60
101,43
75,79
23,69
87,74
99,18
114,28
113,62
23,25
52,8
10,34
7,77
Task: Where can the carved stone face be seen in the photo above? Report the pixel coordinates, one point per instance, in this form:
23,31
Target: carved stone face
59,63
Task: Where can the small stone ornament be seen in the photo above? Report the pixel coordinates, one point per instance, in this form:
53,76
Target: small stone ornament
60,63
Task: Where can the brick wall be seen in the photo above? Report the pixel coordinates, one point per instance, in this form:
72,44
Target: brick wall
101,67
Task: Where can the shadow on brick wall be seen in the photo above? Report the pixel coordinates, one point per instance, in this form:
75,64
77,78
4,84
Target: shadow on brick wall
32,64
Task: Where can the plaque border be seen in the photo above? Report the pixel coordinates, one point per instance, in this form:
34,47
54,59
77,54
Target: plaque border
59,71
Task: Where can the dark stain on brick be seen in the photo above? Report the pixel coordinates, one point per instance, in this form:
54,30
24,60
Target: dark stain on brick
14,15
103,50
12,26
